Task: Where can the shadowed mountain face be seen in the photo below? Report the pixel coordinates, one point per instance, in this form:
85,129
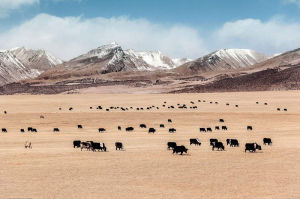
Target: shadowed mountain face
269,79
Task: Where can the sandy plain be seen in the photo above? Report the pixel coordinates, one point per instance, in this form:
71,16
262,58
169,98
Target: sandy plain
146,169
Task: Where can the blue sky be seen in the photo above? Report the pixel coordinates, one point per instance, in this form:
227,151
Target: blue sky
179,28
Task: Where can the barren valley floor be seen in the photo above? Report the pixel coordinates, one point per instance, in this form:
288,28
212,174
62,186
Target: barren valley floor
146,169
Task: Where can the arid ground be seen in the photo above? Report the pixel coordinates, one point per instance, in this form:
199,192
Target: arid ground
146,169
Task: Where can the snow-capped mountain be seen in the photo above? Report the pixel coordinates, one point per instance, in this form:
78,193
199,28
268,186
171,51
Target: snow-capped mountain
225,59
112,58
20,63
155,59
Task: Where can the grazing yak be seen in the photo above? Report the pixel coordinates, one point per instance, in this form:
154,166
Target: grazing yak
22,130
180,149
119,128
119,145
70,109
267,141
212,141
171,145
31,129
99,107
195,141
234,143
162,126
249,128
55,129
172,130
169,120
217,128
79,126
4,130
151,130
221,120
98,146
208,129
86,145
224,128
228,141
251,147
28,145
218,145
76,143
101,130
143,126
129,129
202,130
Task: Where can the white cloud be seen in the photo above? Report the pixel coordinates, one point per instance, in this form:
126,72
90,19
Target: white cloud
271,36
6,6
70,36
297,2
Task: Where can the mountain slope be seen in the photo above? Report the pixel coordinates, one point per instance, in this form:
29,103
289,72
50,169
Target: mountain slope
265,80
11,69
19,64
35,59
287,59
225,59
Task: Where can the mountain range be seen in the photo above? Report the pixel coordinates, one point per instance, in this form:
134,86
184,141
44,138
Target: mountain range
110,65
112,58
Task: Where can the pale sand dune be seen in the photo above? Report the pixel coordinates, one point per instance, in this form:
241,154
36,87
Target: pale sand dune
53,169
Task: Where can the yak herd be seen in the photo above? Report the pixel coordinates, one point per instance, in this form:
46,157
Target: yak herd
178,149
